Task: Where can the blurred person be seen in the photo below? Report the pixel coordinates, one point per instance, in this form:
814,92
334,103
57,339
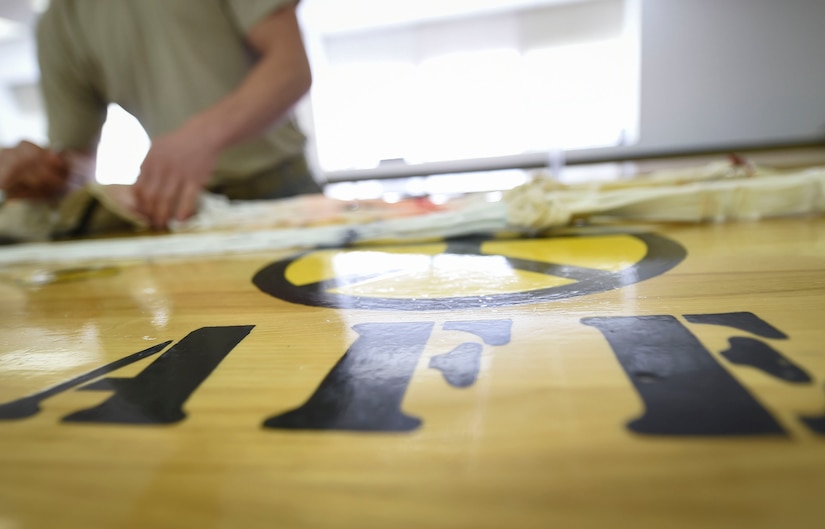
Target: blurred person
213,82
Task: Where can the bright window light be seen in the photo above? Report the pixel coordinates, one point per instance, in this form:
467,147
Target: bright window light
10,30
123,146
574,96
471,105
467,106
548,76
354,117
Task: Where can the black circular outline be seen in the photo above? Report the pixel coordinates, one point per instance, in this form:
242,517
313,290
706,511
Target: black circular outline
662,255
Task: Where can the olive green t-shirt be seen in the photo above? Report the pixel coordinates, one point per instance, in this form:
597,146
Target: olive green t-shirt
162,61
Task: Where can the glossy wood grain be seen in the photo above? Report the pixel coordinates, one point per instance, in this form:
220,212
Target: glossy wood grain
539,438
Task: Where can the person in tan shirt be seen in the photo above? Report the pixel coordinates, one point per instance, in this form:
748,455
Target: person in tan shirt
213,82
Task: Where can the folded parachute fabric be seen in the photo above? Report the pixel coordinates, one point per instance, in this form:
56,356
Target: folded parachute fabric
229,234
716,192
90,210
98,210
23,220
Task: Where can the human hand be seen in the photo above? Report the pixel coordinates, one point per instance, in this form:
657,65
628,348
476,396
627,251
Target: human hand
172,176
32,172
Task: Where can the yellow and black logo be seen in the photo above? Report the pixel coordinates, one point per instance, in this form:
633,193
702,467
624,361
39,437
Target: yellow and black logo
470,272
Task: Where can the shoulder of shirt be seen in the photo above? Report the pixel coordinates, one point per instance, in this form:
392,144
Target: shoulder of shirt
59,25
49,21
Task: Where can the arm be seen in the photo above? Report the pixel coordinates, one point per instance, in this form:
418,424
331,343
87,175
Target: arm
180,163
76,112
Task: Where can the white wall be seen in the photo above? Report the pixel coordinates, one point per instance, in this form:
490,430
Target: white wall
731,71
20,109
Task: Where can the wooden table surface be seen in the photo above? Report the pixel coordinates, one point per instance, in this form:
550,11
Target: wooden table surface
645,376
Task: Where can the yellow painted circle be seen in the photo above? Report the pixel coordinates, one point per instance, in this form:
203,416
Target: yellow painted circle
469,272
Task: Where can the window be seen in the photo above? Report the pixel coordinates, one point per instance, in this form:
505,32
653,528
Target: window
451,80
